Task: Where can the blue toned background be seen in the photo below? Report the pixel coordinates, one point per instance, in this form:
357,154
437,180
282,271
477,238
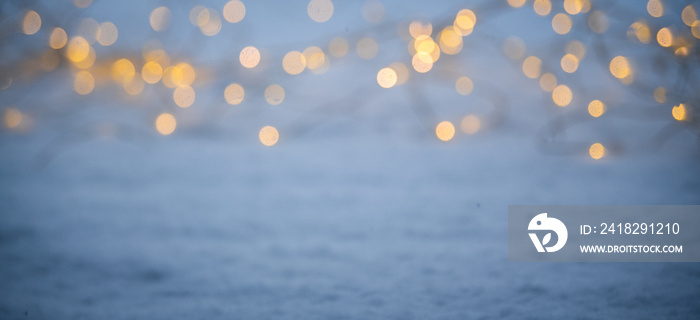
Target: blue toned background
359,210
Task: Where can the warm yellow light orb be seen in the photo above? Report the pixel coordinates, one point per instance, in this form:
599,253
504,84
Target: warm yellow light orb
31,23
596,108
274,94
234,94
596,151
387,78
445,131
320,10
464,86
620,67
234,11
58,38
561,95
268,136
184,96
166,124
249,57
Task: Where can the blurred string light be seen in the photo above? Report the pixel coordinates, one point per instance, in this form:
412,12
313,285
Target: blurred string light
427,42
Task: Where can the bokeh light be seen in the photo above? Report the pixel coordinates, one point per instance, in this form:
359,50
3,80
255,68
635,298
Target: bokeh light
532,66
107,34
561,95
402,72
598,22
681,112
620,67
689,15
542,7
234,94
470,124
31,23
58,38
123,70
387,78
268,136
294,62
665,37
78,49
234,11
445,131
464,85
514,48
166,124
548,82
655,8
13,118
660,94
464,22
367,48
83,82
320,10
249,57
561,23
274,94
569,63
422,62
184,96
596,151
596,108
152,72
160,18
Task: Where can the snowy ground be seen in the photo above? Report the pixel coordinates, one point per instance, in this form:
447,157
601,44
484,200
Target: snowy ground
319,228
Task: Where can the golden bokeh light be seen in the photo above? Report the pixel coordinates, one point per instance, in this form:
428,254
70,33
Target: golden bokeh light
294,62
514,48
598,21
367,48
166,124
268,136
573,6
373,11
665,37
470,124
422,62
639,30
338,47
464,85
419,28
402,72
660,94
548,82
78,49
655,8
695,29
134,86
211,25
249,57
274,94
561,95
58,38
542,7
576,48
151,72
314,58
596,108
516,3
199,16
123,70
561,23
569,63
464,22
88,28
234,94
13,118
83,83
31,23
620,67
387,78
87,62
160,18
450,41
689,15
445,131
181,74
596,151
681,112
320,10
532,66
234,11
184,96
